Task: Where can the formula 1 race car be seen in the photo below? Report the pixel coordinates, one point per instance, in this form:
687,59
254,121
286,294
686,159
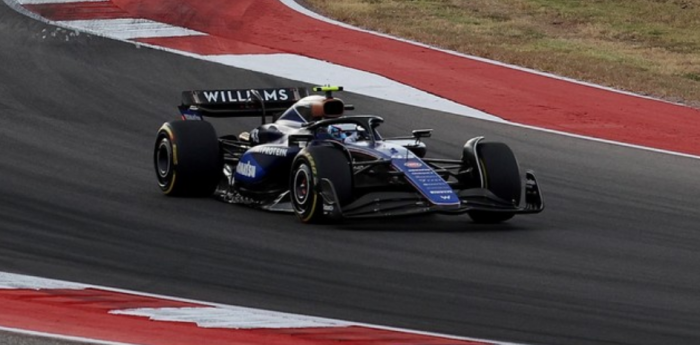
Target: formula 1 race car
321,165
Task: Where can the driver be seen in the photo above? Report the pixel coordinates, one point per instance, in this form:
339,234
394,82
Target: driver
337,133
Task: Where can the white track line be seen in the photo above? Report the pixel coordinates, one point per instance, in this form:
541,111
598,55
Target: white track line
129,28
18,281
365,83
231,317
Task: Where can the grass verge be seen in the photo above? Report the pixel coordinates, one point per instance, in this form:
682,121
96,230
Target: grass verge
650,47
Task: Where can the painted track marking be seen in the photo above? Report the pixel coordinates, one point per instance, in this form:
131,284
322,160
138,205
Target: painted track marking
93,312
130,28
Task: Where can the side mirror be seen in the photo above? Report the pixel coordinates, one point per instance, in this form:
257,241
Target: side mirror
300,140
422,133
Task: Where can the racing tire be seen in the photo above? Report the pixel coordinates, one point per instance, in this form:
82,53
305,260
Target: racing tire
187,159
309,167
501,177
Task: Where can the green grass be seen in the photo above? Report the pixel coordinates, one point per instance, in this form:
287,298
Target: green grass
651,47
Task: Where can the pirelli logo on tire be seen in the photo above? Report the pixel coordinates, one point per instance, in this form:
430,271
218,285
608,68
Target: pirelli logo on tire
312,163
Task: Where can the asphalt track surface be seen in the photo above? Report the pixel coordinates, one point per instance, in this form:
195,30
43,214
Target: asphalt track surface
613,259
10,338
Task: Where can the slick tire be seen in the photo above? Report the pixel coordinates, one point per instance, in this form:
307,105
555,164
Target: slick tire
309,167
187,159
501,177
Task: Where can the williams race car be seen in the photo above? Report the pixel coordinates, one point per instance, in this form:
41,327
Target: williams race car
321,165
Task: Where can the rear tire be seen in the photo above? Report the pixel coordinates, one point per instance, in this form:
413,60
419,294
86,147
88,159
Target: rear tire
187,159
501,177
309,167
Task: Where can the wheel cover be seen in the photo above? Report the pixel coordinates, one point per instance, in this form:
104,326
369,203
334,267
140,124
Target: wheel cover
301,187
164,160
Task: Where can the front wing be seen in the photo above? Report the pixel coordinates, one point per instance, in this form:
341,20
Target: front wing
387,204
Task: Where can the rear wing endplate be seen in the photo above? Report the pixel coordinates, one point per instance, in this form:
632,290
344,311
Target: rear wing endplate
239,102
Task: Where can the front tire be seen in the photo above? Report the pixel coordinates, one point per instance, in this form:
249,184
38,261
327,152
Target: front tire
501,176
309,168
187,159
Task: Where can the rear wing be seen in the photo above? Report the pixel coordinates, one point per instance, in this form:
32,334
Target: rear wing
239,102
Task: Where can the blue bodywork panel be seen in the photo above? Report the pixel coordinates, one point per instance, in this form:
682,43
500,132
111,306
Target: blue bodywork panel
418,173
426,181
260,161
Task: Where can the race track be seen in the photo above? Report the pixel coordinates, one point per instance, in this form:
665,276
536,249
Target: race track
613,259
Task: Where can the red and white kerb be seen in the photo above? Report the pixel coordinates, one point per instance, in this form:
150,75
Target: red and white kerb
83,312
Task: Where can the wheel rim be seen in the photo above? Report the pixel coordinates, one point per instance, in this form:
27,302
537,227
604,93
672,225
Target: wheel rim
301,187
163,159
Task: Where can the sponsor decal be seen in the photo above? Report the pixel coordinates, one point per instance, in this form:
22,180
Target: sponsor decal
271,151
445,197
192,117
274,95
413,164
441,192
190,114
237,96
313,164
328,208
435,181
246,169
